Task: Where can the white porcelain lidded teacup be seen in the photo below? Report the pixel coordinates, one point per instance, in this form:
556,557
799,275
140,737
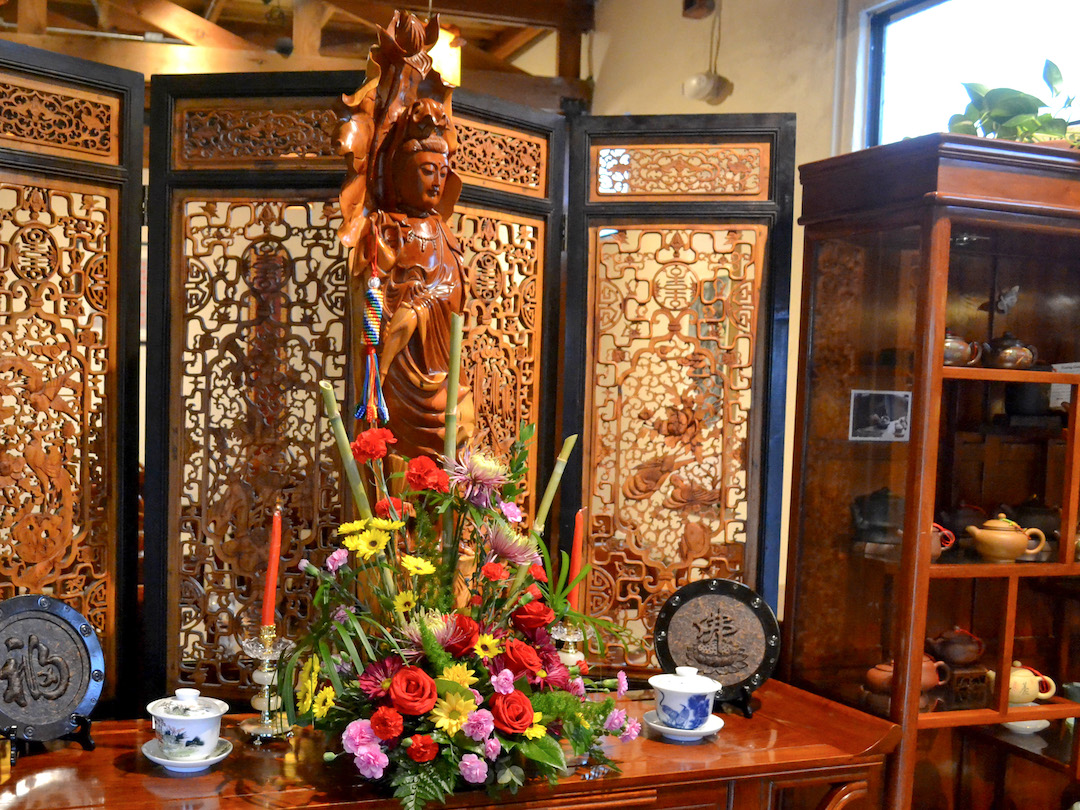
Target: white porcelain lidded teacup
187,726
684,700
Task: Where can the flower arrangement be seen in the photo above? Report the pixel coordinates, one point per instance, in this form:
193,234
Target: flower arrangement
432,661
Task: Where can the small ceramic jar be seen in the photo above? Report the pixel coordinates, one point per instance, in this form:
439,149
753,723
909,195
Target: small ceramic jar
187,726
684,700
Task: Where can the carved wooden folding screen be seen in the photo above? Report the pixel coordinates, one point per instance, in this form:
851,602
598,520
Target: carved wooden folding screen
679,251
252,296
70,151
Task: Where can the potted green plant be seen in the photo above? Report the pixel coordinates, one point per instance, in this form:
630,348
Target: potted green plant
1012,115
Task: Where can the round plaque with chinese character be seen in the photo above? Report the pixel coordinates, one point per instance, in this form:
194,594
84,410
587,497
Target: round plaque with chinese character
725,630
51,668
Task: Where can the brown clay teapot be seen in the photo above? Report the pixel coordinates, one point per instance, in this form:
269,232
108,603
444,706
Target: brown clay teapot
1001,540
1008,351
956,647
933,673
959,352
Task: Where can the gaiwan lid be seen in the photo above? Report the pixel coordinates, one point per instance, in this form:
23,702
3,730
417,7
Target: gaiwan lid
187,703
685,679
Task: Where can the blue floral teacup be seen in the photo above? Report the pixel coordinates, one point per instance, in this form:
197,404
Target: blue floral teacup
683,700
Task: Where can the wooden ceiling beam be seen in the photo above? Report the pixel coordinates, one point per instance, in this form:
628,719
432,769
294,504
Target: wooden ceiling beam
213,10
57,20
31,16
185,25
568,14
309,17
510,43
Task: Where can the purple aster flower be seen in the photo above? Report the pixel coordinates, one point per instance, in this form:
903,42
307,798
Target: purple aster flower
342,613
479,725
370,761
477,477
492,748
620,677
473,768
358,734
615,720
511,511
336,560
510,545
577,687
633,728
503,683
377,676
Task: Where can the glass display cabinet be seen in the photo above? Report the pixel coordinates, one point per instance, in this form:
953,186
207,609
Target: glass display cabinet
938,375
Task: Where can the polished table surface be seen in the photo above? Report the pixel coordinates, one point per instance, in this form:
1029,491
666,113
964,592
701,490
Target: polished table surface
792,734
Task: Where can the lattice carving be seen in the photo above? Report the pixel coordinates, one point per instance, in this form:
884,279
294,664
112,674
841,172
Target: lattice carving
58,120
680,171
210,135
58,333
260,314
672,339
505,159
501,346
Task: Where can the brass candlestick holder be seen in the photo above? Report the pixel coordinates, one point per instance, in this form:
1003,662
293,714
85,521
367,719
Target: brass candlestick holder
266,648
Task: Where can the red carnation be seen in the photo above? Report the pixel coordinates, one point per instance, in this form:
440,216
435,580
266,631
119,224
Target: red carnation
520,658
532,616
463,639
422,749
412,691
400,508
533,591
372,444
513,713
423,473
494,572
538,572
386,723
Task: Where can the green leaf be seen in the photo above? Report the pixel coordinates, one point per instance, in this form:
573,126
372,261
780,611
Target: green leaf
545,749
357,661
1025,121
1052,77
445,687
329,668
962,125
1055,127
1004,102
976,92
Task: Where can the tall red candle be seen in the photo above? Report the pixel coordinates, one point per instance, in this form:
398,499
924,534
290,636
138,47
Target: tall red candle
575,559
270,597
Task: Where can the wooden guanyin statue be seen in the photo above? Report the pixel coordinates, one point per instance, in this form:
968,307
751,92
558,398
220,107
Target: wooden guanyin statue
406,274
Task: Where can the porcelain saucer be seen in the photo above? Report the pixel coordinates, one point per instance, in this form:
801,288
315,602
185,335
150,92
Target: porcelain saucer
152,751
711,726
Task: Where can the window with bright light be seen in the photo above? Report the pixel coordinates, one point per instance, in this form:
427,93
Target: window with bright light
923,52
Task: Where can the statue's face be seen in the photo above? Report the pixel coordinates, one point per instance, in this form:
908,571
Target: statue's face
421,179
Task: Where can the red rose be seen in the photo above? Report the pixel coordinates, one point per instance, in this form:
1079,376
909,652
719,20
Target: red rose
423,748
538,572
463,639
513,713
412,691
386,723
494,572
372,444
400,508
423,473
532,616
520,658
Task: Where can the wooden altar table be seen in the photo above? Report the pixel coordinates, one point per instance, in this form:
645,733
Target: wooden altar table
799,749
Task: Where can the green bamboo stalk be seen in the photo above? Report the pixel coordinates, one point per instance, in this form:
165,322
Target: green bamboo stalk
347,460
553,484
453,377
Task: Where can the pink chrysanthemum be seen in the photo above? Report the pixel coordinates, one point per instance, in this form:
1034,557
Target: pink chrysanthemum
477,477
442,625
377,676
509,545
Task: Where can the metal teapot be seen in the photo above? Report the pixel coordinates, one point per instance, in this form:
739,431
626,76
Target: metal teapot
959,352
1008,351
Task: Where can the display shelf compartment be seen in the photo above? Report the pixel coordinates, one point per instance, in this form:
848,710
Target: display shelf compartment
979,570
1054,710
1013,375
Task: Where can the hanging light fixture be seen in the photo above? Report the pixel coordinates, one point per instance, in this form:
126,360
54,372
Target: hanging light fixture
709,86
446,55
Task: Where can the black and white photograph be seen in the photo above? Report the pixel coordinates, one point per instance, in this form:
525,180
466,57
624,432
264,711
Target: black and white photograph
879,416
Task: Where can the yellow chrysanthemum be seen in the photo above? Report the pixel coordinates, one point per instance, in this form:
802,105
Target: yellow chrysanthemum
307,684
416,565
386,525
459,673
324,702
404,601
451,712
487,646
537,729
355,527
367,543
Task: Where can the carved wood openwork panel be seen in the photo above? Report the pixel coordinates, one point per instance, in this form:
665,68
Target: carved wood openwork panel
673,317
58,410
55,120
280,133
260,318
680,171
503,159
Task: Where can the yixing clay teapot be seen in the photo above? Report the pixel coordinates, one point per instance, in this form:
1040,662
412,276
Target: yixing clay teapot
942,539
1026,684
956,647
1033,512
1008,351
932,673
959,352
1001,540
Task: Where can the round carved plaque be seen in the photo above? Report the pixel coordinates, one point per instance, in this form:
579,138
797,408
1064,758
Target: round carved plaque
51,667
724,629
